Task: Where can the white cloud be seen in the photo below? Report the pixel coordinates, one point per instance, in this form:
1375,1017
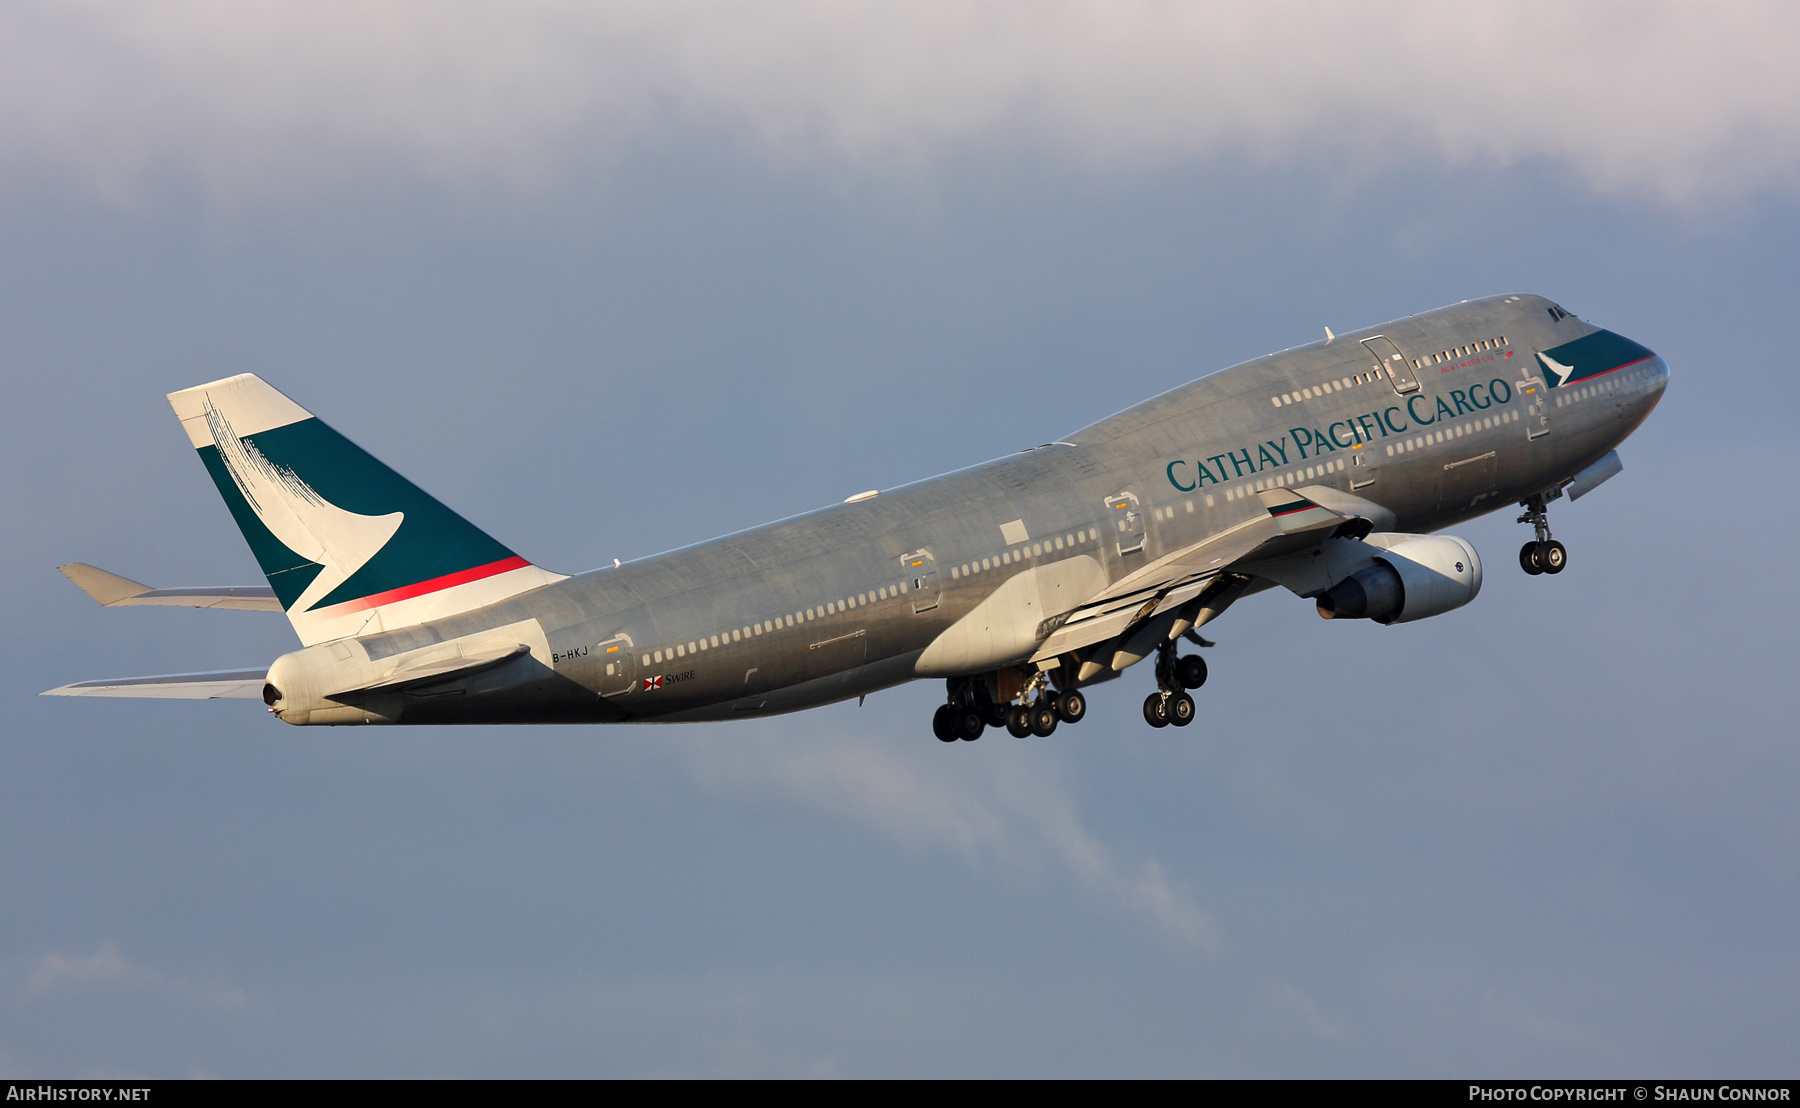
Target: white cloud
1677,100
59,974
1009,812
69,972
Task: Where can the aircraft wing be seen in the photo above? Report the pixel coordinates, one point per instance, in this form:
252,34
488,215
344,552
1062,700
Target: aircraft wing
114,592
1290,520
245,684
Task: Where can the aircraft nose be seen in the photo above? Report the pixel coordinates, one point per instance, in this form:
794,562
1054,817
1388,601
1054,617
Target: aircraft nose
1648,390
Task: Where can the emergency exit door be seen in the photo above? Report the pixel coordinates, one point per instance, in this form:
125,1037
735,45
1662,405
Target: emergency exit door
1127,521
617,662
1392,365
920,574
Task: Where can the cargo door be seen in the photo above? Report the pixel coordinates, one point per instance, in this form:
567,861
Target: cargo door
836,654
1466,482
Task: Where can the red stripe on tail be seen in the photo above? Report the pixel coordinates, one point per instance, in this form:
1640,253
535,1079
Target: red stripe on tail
436,584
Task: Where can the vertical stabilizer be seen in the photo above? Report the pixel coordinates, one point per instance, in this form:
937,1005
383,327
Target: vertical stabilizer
349,546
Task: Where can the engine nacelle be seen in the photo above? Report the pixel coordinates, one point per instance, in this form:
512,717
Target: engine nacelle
1421,577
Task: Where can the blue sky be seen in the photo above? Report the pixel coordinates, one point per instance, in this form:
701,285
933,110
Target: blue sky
613,281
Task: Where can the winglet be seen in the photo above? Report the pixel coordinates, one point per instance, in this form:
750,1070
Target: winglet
108,588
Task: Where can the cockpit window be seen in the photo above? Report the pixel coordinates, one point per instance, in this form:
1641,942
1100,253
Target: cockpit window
1557,315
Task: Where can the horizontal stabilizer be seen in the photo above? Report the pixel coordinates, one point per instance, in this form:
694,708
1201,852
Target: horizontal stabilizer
244,684
443,667
114,592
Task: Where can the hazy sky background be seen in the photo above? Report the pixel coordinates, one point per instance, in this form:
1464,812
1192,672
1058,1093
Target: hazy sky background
609,281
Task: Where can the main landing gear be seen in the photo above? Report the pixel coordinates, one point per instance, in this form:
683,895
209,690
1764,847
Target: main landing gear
1037,711
1174,674
952,722
1545,555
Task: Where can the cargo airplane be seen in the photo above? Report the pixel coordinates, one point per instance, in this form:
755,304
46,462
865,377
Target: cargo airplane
1323,470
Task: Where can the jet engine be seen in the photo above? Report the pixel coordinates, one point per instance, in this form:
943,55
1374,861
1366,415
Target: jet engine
1421,577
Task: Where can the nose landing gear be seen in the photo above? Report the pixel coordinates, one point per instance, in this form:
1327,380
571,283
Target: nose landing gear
1545,554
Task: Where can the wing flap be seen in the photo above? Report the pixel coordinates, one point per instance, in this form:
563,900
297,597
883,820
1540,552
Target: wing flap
1176,578
1108,621
236,684
114,591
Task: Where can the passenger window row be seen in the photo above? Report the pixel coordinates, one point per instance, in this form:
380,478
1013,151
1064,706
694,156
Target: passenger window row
1023,551
1312,392
766,626
1586,392
1447,434
1281,480
1456,352
1015,555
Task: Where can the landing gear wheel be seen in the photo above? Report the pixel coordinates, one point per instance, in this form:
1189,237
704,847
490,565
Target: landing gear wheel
943,724
1528,559
1191,671
1552,556
1018,722
970,725
1156,710
1043,720
1546,555
1071,706
1181,709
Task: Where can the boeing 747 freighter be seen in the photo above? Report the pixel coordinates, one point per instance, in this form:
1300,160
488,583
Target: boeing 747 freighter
1325,470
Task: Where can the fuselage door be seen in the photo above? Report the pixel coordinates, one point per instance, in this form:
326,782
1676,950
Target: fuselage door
919,571
1392,364
1127,521
617,662
1532,390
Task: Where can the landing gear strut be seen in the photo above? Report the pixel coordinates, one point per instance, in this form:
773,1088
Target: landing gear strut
1036,711
1169,703
1545,555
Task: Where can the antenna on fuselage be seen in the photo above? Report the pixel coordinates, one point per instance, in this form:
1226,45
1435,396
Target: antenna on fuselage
1329,337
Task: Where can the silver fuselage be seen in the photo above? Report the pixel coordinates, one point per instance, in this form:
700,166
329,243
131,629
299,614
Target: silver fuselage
847,600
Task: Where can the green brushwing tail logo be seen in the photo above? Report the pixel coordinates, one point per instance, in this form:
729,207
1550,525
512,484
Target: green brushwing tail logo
312,529
332,526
